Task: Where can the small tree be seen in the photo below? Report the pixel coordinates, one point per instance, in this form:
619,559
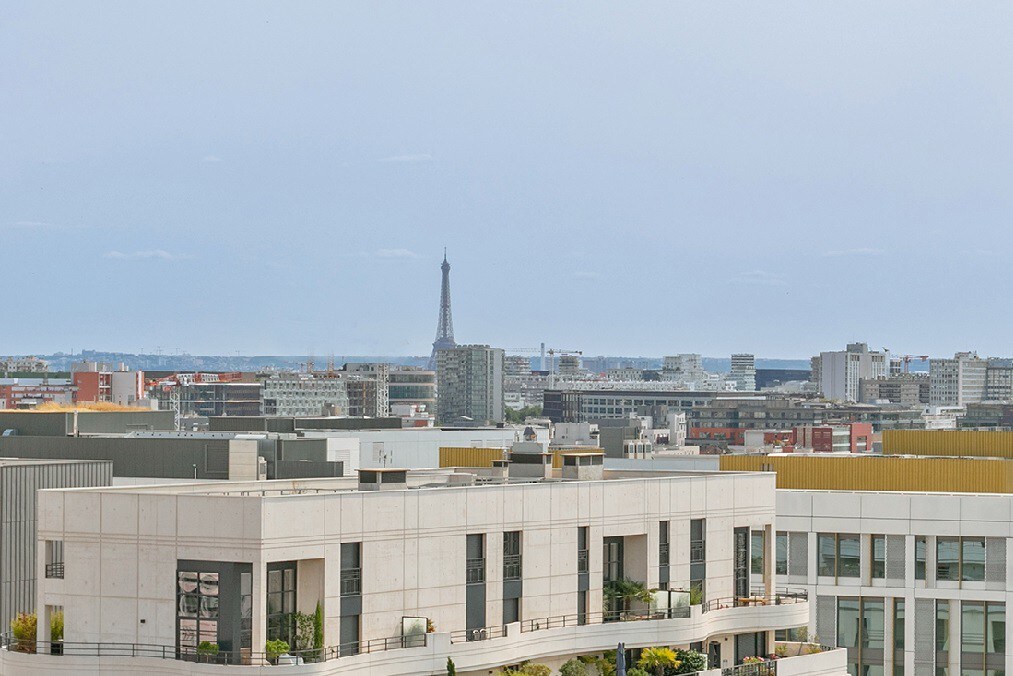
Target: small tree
690,661
658,660
24,628
636,671
625,591
275,648
318,631
304,630
56,626
451,667
573,668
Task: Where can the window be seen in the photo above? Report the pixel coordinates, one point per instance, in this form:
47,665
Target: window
839,555
942,626
54,559
860,629
582,536
512,555
281,601
663,549
511,610
921,548
697,541
898,625
982,636
878,556
351,569
960,559
197,609
781,553
475,562
756,552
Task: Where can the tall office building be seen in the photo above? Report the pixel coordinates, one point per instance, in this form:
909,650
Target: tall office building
841,372
469,385
958,381
744,372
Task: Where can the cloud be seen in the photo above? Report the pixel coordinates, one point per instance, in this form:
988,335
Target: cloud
760,278
861,251
153,254
407,159
210,159
395,253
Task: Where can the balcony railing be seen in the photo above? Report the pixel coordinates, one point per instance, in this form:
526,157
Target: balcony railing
238,657
512,567
697,551
663,550
351,581
480,634
475,571
757,599
582,561
54,570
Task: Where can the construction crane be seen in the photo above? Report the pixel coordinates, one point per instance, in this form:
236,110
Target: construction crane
906,359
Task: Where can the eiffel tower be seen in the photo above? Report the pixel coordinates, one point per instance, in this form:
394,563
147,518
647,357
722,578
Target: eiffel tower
445,328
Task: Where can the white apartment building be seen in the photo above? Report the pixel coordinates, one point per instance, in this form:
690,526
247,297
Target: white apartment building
908,583
744,372
841,372
959,381
303,394
498,573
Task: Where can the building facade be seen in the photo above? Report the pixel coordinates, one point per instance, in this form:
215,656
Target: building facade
959,381
841,372
469,385
744,372
499,573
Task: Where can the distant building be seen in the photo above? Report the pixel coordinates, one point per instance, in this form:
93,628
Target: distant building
985,415
207,394
516,365
469,385
840,438
999,380
101,382
908,389
840,372
304,394
958,381
744,372
624,374
29,364
31,392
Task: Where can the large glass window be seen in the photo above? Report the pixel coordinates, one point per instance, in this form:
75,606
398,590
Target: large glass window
781,553
972,559
697,541
982,637
839,555
942,627
948,558
281,602
512,555
756,552
860,630
197,609
878,556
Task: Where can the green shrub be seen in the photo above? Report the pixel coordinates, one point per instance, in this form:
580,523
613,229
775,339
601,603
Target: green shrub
56,626
573,668
690,661
451,667
636,671
275,648
207,648
24,628
304,629
318,630
658,660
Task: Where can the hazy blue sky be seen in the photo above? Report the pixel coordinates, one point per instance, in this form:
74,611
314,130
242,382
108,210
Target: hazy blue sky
633,178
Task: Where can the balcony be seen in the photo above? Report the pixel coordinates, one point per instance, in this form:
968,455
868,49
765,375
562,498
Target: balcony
582,561
54,570
697,551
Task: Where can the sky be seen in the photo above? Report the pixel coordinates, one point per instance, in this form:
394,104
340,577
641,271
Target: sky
622,178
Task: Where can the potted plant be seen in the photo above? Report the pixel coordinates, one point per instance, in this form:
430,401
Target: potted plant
318,632
658,660
24,627
207,651
56,633
275,649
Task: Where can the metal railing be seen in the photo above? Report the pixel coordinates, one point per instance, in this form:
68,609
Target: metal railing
766,668
757,599
191,654
576,620
582,566
697,551
663,553
512,567
479,634
54,570
475,571
351,581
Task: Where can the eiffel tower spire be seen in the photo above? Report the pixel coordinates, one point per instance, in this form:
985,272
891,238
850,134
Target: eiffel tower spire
445,328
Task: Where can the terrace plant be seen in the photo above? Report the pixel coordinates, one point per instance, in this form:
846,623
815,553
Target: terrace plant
24,628
621,593
574,667
660,661
274,649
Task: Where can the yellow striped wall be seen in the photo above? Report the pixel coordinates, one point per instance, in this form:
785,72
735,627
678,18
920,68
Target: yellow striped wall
878,473
453,456
995,444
